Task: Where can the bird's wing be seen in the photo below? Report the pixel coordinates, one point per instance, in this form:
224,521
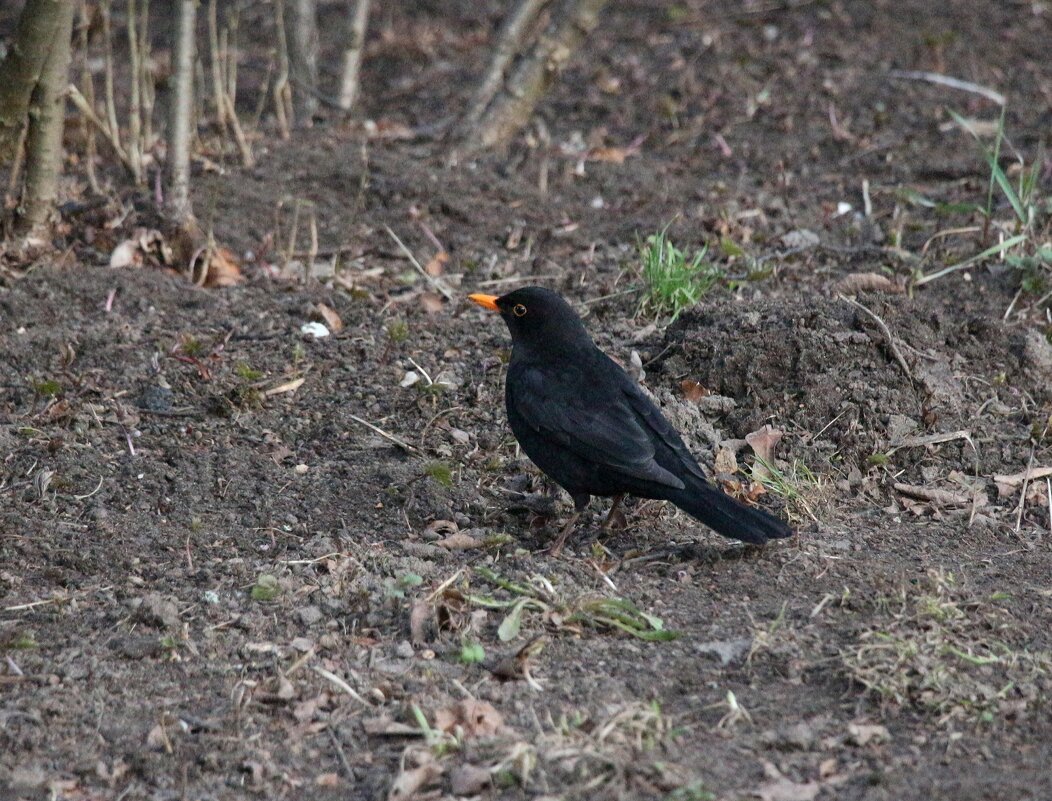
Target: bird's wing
602,427
661,428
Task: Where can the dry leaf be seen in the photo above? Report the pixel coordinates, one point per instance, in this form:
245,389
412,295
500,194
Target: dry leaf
460,542
432,302
157,739
327,780
437,265
409,782
862,733
388,129
783,789
612,155
469,780
387,726
1007,484
419,616
144,243
763,442
472,717
214,267
726,462
330,317
867,282
693,391
288,386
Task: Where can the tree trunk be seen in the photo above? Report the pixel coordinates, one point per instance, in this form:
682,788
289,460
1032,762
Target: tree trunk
511,107
47,117
301,28
181,113
35,32
352,55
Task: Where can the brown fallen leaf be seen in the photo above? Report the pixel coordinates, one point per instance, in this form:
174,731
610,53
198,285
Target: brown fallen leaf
410,781
330,317
783,789
936,497
763,442
472,717
854,283
432,302
215,267
516,666
288,386
693,391
145,244
460,542
863,733
725,462
1007,484
437,265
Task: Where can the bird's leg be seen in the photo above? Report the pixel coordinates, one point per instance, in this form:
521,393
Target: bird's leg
579,503
608,523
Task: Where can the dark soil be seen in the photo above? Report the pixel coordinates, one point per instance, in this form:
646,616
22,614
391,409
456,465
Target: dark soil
210,590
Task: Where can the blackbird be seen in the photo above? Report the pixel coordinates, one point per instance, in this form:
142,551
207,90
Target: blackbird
590,428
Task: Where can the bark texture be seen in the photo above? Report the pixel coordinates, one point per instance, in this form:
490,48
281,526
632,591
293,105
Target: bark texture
181,112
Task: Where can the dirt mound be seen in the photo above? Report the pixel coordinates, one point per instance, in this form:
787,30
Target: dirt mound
827,369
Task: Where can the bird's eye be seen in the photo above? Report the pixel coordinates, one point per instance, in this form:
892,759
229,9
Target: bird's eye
519,310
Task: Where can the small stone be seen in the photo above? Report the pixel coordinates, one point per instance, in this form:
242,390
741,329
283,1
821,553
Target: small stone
404,650
309,615
726,651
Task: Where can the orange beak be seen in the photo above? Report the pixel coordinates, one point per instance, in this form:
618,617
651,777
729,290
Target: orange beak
485,301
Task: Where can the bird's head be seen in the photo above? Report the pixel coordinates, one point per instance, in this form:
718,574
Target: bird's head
537,318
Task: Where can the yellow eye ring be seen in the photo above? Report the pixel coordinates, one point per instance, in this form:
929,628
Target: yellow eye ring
519,310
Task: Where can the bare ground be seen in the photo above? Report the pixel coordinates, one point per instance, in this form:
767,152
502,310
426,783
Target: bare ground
214,586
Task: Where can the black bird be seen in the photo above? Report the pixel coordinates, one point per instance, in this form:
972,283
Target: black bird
587,425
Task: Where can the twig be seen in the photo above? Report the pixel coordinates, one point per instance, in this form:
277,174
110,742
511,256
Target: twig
1022,495
340,683
892,344
399,442
339,753
89,114
431,279
938,497
949,81
111,106
932,439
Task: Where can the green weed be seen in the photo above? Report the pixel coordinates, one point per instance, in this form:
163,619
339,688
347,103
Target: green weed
672,283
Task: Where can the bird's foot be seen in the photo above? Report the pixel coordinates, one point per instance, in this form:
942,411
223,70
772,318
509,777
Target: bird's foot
557,546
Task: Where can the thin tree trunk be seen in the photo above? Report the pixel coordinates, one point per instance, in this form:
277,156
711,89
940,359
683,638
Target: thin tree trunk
352,56
301,28
135,102
181,112
20,71
47,116
511,108
510,40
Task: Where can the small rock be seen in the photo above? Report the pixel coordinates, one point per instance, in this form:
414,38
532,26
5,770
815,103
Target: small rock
469,780
309,615
801,238
316,330
157,611
726,651
404,650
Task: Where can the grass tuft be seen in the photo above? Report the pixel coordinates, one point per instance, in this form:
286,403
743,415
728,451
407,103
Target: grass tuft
672,282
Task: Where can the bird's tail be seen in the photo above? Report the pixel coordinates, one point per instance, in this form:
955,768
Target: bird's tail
729,517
